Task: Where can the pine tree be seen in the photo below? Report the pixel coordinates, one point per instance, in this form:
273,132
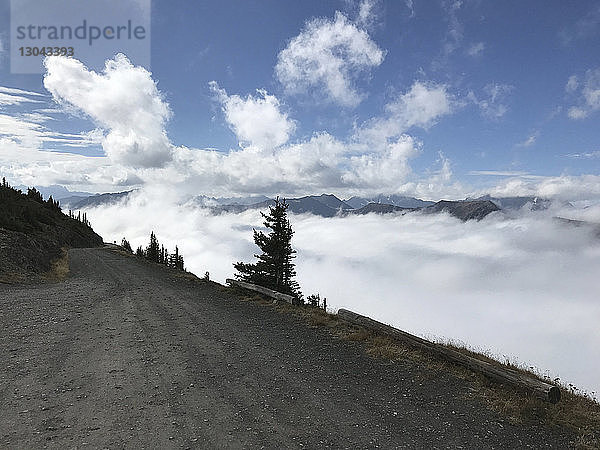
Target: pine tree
153,250
53,204
34,194
176,260
126,245
275,268
163,253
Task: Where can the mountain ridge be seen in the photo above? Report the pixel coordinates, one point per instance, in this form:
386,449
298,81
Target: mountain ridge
329,205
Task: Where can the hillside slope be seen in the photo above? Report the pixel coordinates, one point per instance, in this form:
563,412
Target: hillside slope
32,233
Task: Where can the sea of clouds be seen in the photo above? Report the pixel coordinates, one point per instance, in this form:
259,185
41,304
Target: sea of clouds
523,288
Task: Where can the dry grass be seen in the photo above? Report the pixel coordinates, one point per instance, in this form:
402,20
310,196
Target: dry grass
316,317
123,252
188,276
59,268
576,411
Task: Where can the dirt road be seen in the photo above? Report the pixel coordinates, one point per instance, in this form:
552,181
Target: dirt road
124,354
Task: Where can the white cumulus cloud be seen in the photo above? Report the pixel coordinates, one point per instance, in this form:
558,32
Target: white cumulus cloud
319,164
531,139
123,100
589,92
130,115
388,168
492,103
572,84
421,106
256,120
326,58
476,49
366,13
563,187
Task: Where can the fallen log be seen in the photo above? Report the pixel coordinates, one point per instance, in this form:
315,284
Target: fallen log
263,290
541,389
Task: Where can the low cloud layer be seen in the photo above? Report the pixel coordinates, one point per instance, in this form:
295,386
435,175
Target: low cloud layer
563,187
521,288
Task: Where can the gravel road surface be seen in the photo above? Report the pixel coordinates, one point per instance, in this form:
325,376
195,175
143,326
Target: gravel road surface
126,354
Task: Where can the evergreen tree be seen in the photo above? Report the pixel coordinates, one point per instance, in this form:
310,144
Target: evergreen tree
34,194
275,268
140,252
126,245
176,260
54,204
153,250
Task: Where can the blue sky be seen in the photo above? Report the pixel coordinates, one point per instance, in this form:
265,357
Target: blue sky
428,98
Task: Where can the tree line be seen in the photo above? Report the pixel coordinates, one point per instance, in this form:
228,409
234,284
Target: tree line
19,216
157,253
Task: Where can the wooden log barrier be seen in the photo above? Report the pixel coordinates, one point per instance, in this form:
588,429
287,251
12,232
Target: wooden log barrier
545,391
263,290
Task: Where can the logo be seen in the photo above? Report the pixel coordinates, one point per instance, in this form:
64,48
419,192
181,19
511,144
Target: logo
91,31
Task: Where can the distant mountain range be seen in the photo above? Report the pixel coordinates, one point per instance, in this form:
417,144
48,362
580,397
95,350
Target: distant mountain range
203,200
328,205
535,203
396,200
94,200
324,205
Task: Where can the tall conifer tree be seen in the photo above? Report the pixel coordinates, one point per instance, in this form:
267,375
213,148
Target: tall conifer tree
275,268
